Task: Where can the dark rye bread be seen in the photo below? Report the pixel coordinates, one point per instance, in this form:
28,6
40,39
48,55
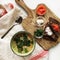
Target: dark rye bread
51,21
53,37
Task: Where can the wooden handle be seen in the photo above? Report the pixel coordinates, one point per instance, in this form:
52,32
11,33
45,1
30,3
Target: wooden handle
23,5
1,7
7,32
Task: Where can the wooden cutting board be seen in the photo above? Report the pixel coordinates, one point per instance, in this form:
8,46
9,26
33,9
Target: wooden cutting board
28,24
45,44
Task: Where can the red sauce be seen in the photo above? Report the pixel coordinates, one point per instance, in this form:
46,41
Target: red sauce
41,10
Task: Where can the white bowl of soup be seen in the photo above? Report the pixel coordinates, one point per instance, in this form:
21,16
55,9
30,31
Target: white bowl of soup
22,43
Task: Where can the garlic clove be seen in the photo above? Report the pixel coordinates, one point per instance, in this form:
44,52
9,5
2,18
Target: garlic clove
48,31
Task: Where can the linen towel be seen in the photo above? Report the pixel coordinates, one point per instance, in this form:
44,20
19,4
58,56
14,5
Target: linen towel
5,51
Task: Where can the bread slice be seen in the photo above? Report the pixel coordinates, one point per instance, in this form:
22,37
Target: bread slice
54,21
49,33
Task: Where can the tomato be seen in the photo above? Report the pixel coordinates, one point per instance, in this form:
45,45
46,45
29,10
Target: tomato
10,5
55,27
41,10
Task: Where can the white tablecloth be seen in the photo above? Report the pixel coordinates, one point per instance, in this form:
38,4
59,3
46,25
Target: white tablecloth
54,53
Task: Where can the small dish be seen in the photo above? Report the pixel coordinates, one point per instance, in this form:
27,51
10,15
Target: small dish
22,43
38,33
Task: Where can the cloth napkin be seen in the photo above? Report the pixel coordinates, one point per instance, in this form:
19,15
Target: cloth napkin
7,20
5,51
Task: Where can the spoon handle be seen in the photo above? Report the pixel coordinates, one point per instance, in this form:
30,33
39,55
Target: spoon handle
18,21
7,32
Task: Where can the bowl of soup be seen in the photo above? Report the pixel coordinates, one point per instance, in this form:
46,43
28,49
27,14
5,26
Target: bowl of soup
22,43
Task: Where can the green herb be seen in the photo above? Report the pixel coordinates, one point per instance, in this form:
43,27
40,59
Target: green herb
28,43
17,39
38,32
25,37
25,50
22,41
20,44
20,50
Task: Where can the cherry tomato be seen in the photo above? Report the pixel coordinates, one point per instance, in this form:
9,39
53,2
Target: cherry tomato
55,27
41,10
10,5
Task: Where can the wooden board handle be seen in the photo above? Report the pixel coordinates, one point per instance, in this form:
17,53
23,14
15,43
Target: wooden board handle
23,5
1,7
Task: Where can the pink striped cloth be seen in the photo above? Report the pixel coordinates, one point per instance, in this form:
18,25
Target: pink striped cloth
39,56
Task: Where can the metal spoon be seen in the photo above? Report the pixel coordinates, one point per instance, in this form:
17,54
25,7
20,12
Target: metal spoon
18,21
